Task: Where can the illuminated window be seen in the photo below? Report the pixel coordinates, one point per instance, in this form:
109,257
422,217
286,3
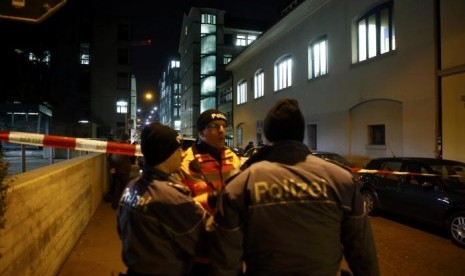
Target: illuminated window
208,65
175,64
318,58
375,32
283,73
121,107
84,53
208,85
241,92
208,44
259,90
227,59
208,19
245,39
207,103
177,124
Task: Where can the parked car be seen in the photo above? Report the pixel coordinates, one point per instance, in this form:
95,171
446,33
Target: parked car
333,157
246,155
187,142
425,190
328,156
238,151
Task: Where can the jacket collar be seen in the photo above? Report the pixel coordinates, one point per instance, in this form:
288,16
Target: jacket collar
289,152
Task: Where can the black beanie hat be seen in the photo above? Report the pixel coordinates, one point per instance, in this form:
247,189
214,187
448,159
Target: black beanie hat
207,116
158,142
284,121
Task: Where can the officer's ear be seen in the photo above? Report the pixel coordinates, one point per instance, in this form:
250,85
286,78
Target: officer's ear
201,134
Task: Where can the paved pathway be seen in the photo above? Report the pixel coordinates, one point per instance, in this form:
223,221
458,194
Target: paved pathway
98,251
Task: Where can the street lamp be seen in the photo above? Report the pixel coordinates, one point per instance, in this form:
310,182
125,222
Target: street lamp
148,96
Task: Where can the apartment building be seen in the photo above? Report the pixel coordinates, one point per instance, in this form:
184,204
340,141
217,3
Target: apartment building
373,78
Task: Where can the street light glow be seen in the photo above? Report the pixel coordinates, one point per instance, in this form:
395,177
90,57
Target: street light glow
148,96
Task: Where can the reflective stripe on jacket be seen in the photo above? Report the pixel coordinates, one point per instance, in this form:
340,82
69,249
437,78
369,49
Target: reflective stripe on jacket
216,172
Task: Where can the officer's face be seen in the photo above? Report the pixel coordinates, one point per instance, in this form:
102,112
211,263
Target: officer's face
173,163
214,134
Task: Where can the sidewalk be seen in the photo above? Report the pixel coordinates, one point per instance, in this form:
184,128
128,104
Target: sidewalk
98,251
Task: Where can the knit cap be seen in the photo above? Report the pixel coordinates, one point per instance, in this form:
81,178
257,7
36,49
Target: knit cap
208,116
158,142
284,121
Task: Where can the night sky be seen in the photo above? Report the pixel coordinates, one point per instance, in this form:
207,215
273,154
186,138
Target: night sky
161,22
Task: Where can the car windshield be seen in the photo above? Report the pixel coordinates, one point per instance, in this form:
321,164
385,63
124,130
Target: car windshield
452,174
251,152
334,157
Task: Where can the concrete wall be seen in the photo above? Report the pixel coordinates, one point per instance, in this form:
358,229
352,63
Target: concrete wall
48,209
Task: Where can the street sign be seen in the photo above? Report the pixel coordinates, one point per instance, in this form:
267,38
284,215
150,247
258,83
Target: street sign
31,11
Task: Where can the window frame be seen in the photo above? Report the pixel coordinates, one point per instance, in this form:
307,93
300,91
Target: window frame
244,39
367,47
259,84
283,73
318,67
241,92
377,135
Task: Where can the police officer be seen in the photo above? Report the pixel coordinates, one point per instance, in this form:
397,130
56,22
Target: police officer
206,166
289,212
160,225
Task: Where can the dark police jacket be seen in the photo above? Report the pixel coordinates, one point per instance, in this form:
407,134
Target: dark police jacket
159,224
291,213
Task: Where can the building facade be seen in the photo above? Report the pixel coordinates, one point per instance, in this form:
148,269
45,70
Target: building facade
170,96
373,78
111,76
205,47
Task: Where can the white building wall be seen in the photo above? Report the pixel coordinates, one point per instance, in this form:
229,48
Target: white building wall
453,81
396,89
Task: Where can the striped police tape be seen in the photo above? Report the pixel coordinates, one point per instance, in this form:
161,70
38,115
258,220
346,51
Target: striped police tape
72,143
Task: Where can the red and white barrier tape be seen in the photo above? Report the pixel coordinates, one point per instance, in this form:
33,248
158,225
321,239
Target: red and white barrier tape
83,144
43,140
386,172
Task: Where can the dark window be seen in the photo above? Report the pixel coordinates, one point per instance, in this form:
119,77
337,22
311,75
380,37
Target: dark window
312,142
228,39
226,96
376,135
123,56
123,81
123,32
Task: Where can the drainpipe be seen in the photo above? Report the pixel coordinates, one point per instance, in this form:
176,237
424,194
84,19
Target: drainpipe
438,82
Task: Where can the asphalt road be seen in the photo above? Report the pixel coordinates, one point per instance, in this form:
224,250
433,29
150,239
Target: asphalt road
409,249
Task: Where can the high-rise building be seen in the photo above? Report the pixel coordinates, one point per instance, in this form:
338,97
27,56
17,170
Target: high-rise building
206,46
170,96
111,75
